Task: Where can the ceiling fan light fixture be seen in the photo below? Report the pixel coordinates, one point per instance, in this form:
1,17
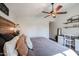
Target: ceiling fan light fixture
54,16
55,11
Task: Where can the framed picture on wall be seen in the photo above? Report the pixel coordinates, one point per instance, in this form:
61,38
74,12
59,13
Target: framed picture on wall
4,9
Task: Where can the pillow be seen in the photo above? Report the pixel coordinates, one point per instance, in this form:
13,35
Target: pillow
9,47
21,46
29,42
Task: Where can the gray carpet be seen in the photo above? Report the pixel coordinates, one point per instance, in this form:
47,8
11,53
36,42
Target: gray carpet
45,47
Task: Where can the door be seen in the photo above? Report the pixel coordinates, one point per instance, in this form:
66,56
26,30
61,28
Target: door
51,30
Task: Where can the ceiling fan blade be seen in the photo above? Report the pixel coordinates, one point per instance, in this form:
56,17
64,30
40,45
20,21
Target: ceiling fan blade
58,7
61,12
46,16
44,12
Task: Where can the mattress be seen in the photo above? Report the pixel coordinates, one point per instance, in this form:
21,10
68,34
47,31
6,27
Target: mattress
45,47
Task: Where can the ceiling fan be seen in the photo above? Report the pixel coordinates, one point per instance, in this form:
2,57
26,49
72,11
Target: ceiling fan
55,11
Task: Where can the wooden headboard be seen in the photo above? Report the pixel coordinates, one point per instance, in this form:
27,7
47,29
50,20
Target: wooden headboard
5,25
8,31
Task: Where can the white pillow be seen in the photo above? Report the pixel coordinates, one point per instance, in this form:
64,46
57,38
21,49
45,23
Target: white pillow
29,42
9,47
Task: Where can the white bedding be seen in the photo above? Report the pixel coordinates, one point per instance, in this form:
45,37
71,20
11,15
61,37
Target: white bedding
67,53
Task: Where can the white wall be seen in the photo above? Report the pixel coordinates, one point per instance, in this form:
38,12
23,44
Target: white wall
58,23
34,27
31,26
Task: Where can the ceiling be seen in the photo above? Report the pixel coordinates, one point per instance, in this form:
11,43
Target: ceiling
33,9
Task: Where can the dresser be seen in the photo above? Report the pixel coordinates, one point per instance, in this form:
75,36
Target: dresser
68,41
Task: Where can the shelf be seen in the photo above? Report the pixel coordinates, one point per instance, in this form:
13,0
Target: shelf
72,27
71,22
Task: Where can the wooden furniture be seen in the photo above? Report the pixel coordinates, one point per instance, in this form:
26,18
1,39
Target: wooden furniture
6,32
68,41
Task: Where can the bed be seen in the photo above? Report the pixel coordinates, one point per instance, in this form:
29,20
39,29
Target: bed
45,47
